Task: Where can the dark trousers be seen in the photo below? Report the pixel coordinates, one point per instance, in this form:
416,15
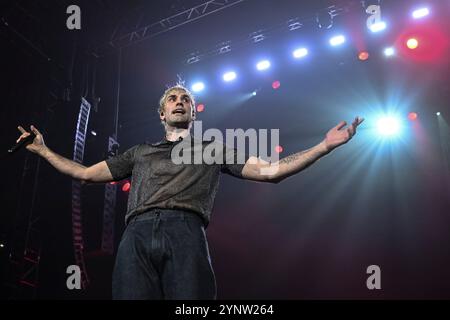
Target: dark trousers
164,254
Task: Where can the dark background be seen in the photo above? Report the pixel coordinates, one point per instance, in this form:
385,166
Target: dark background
312,236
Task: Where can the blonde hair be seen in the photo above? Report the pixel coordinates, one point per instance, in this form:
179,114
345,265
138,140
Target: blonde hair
177,87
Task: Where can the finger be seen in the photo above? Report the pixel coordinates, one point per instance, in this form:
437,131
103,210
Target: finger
351,131
340,125
356,123
22,136
35,131
360,121
22,130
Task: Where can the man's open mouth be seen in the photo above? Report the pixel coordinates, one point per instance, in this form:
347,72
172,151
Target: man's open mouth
178,111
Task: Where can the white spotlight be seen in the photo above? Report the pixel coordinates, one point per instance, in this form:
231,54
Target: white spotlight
337,40
263,65
388,126
198,86
388,52
420,13
300,53
229,76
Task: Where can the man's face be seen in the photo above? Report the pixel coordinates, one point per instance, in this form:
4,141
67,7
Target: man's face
177,111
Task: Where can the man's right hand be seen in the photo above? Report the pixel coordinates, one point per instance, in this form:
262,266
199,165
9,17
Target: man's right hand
38,144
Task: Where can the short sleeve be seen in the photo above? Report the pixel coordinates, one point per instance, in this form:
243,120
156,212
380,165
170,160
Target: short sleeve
234,161
121,166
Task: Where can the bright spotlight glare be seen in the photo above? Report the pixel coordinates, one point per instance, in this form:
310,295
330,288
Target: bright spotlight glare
337,40
420,13
229,76
299,53
197,87
388,126
377,27
263,65
388,52
438,113
412,43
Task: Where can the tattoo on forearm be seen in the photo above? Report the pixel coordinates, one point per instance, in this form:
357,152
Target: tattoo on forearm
292,157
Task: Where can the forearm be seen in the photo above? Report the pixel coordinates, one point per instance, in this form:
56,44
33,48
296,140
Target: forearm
64,165
296,162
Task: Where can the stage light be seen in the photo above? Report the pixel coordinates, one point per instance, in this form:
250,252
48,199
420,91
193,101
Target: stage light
299,53
412,43
198,86
93,133
263,65
363,55
278,149
200,107
388,52
388,126
377,27
2,245
412,116
229,76
276,84
254,93
337,40
438,113
420,13
126,187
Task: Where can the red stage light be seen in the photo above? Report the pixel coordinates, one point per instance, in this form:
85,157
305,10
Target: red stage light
126,187
412,116
200,107
278,149
363,55
412,43
276,84
426,43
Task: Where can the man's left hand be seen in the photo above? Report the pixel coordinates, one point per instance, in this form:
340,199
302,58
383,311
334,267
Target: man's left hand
340,134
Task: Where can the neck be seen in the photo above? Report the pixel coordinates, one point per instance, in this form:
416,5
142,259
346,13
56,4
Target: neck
173,134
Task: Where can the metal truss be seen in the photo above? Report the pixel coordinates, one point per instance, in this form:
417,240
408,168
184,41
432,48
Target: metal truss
290,25
77,226
139,34
109,205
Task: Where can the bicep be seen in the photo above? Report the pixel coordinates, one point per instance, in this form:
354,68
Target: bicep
98,173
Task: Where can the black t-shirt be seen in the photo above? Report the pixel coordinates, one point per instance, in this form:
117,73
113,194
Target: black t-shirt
175,175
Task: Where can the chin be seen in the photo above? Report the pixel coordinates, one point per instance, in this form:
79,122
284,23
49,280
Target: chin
179,124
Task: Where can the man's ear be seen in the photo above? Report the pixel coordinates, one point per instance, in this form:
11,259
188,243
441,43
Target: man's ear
162,116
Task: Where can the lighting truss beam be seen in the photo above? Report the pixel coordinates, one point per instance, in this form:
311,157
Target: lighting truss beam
142,33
